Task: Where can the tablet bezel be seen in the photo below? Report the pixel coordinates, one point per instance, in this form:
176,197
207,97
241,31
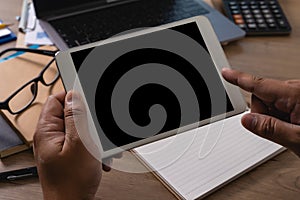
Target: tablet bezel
68,73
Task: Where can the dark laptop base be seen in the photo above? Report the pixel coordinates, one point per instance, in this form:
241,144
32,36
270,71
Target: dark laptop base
101,24
70,29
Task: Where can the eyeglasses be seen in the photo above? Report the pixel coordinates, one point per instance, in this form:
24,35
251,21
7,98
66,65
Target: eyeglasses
22,98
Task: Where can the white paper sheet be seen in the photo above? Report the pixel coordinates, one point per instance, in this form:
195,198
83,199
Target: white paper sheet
35,33
216,154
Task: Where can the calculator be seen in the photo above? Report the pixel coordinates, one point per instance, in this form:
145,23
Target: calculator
258,17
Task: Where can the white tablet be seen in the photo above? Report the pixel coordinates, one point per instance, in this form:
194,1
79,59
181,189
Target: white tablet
149,84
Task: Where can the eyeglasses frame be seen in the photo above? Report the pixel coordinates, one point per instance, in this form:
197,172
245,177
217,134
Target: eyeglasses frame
4,105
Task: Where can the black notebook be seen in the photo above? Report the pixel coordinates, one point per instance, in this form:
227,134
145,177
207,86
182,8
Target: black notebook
10,142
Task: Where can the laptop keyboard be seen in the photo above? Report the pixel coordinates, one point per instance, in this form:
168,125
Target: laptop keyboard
102,24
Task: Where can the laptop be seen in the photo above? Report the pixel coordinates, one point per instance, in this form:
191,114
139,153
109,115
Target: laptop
71,23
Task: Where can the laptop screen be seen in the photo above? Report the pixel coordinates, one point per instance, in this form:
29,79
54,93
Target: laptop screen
107,79
45,8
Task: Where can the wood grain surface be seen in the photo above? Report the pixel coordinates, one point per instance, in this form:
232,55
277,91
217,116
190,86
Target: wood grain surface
279,178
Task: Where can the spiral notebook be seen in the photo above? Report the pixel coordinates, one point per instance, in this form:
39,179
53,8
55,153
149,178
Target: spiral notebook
213,155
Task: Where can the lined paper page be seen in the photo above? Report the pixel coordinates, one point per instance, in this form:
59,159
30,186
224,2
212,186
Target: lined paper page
198,161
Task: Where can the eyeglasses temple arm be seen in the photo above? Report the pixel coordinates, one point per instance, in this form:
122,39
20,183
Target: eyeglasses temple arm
37,51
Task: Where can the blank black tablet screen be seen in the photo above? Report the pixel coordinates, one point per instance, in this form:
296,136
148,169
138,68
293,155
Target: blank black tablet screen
108,106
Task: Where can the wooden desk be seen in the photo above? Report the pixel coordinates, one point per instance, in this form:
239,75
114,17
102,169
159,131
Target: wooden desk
279,178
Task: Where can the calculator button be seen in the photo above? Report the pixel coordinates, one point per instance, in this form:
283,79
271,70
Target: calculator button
254,7
276,11
274,7
262,26
263,7
234,7
250,21
270,20
243,26
278,16
232,3
262,3
244,7
260,21
239,21
258,16
237,17
253,2
268,16
256,11
234,12
242,3
246,11
272,25
266,11
252,26
248,16
272,2
282,23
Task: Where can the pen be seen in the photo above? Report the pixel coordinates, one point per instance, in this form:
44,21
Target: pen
18,174
2,26
24,16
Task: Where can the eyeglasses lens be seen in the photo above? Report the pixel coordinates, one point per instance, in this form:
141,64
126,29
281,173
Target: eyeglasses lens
23,98
51,74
